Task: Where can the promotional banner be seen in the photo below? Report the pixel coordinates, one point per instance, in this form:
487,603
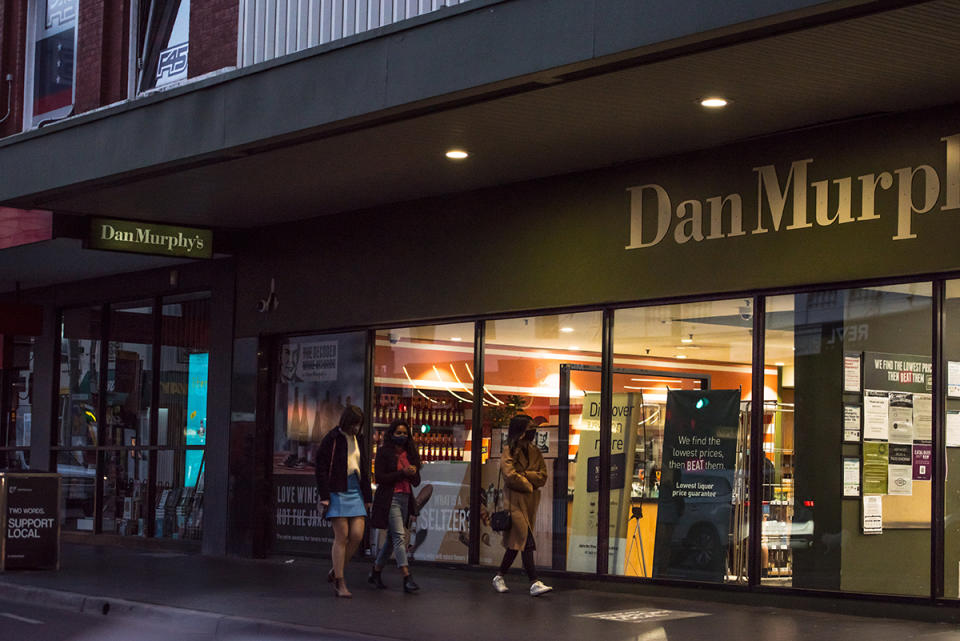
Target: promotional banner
31,525
317,377
696,485
582,544
442,530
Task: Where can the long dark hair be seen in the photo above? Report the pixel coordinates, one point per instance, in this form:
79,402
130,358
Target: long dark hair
519,424
351,415
409,446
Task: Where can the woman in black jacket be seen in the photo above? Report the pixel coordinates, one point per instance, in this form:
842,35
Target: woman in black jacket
343,485
397,469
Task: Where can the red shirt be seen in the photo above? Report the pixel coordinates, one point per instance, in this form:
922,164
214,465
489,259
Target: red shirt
402,487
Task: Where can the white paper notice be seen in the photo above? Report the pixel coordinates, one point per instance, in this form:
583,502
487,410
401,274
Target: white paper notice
851,477
953,378
900,480
922,417
873,514
851,423
851,373
876,419
953,429
900,415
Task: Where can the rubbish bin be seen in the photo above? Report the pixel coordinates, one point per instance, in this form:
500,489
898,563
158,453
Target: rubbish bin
29,521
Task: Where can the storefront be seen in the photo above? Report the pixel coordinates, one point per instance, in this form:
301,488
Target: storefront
771,319
121,385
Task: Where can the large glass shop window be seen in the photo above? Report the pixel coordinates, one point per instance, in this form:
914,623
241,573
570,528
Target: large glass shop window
848,441
181,428
127,420
425,376
951,521
316,378
78,399
547,367
54,38
16,403
680,441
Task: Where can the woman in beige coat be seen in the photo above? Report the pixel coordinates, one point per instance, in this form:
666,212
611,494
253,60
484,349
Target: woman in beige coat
524,473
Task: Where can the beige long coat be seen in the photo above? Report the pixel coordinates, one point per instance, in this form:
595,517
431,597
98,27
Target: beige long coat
524,473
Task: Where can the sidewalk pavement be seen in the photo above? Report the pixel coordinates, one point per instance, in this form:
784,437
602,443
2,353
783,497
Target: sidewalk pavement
224,595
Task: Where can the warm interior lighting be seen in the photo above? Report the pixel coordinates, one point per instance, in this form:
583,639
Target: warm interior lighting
680,356
566,330
779,364
713,102
574,348
687,340
456,339
457,154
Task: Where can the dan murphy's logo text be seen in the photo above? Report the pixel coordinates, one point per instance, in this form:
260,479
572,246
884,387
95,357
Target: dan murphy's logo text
835,201
151,238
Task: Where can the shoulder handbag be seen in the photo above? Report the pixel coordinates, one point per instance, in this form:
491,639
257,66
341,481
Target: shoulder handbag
499,519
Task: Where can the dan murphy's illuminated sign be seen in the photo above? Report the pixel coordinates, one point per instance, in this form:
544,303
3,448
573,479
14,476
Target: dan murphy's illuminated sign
150,238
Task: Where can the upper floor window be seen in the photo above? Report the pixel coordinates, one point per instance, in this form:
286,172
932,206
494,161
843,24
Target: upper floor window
51,37
166,44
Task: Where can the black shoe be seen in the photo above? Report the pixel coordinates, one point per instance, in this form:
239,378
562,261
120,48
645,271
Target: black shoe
374,579
409,586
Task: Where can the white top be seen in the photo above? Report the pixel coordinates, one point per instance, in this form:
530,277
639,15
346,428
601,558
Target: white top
353,455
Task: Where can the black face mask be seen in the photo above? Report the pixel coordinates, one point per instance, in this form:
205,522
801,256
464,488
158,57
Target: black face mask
399,439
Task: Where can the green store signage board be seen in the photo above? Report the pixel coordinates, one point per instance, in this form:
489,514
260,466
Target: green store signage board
150,238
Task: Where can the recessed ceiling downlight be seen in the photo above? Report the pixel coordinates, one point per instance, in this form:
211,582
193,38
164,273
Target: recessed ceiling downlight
714,102
457,154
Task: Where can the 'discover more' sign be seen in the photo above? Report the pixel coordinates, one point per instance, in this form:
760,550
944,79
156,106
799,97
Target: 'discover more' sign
697,483
31,515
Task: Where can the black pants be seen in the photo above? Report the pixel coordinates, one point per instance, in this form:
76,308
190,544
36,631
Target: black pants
509,556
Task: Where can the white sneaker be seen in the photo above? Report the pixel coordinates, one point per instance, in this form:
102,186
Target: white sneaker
500,585
538,588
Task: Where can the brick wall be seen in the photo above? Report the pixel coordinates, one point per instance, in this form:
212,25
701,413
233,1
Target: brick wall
101,58
213,35
13,29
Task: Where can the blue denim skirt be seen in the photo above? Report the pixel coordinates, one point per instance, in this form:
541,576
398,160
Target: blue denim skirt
348,503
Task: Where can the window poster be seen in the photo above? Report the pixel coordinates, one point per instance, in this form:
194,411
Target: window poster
953,379
851,477
922,417
876,461
953,429
696,485
876,415
922,462
873,515
851,423
851,373
900,470
316,378
900,417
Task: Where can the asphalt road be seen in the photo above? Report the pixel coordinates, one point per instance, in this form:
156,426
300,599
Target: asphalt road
27,622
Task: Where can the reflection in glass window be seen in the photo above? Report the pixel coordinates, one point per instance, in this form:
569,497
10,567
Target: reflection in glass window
424,375
847,435
166,43
547,367
16,388
681,385
127,420
182,414
53,75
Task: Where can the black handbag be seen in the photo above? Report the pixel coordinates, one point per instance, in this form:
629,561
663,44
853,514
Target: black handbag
500,519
